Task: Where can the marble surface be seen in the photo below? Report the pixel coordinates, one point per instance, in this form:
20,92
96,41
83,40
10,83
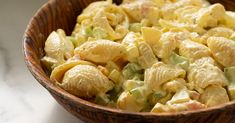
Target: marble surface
22,99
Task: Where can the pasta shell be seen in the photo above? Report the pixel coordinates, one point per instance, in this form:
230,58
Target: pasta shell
160,73
58,48
168,11
140,9
217,32
85,81
175,85
214,95
147,58
210,16
229,19
223,50
100,51
165,46
202,74
58,73
193,50
113,20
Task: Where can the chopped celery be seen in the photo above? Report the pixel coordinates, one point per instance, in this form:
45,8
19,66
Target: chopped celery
166,98
102,99
179,60
231,90
233,36
88,31
131,84
154,97
73,40
115,92
132,70
80,39
139,94
48,62
99,33
230,73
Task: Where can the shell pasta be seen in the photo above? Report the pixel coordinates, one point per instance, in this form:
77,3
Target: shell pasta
147,55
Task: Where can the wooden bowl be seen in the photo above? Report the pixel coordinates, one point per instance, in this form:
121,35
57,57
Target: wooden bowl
62,14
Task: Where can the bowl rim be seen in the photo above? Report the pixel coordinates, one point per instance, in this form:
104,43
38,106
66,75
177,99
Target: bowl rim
44,80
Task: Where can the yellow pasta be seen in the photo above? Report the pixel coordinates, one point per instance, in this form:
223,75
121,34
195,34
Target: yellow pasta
217,32
193,50
223,50
147,57
58,72
160,73
155,56
214,95
100,51
229,19
140,9
202,74
165,46
85,81
58,49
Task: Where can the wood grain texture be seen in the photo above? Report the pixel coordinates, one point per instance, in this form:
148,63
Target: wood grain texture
62,14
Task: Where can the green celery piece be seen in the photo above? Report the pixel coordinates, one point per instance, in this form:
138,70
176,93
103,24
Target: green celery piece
154,97
99,33
131,84
231,90
102,99
230,73
89,31
132,70
179,60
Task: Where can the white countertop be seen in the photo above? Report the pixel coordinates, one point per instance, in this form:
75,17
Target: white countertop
22,99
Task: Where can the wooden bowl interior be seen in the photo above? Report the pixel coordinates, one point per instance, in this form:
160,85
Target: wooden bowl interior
62,14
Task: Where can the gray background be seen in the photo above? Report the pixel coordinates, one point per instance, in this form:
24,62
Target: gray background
22,99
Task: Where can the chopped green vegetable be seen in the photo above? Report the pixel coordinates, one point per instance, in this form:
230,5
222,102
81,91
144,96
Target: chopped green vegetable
154,97
132,71
102,99
139,94
89,31
115,92
131,84
73,40
99,33
176,59
48,62
230,74
166,98
231,91
232,37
